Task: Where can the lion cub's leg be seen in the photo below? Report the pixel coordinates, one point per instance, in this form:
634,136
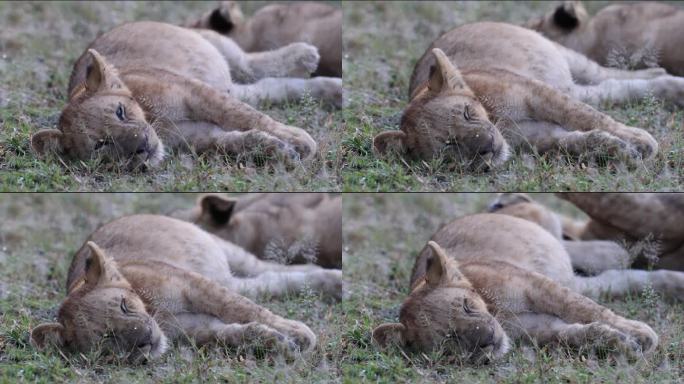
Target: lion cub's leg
527,291
203,296
293,60
596,256
668,88
281,90
186,99
586,71
206,329
279,284
203,137
631,281
546,137
243,263
544,103
548,329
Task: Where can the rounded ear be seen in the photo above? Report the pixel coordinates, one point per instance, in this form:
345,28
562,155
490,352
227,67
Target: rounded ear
388,334
48,333
445,76
47,140
219,21
217,209
101,75
569,15
386,142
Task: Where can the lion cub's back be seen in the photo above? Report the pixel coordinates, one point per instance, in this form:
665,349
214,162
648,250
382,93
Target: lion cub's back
496,237
152,45
155,238
490,45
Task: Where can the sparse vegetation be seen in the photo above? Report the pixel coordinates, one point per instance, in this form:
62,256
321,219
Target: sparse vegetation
39,43
383,234
382,42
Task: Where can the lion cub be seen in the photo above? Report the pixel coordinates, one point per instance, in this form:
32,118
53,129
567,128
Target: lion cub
634,217
485,279
146,86
485,87
642,34
142,280
292,227
277,25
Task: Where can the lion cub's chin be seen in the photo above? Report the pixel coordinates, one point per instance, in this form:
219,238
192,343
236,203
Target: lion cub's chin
157,157
502,347
159,347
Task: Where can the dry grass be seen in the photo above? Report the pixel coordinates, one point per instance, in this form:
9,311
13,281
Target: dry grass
40,41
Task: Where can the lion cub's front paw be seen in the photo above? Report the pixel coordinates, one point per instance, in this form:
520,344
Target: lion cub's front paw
644,143
644,335
328,90
305,59
329,283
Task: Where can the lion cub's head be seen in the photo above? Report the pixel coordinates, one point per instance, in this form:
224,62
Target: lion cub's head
445,312
446,118
562,22
102,119
102,311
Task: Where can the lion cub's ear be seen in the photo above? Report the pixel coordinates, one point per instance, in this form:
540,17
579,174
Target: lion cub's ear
446,76
101,75
389,141
48,333
47,140
388,334
100,268
436,271
570,15
216,209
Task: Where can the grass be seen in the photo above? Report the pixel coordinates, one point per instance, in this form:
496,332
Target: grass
39,43
36,247
382,42
383,233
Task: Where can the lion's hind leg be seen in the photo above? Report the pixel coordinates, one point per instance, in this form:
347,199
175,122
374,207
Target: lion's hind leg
618,283
292,60
279,284
283,90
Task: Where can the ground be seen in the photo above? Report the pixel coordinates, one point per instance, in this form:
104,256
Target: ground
39,43
382,42
383,233
37,240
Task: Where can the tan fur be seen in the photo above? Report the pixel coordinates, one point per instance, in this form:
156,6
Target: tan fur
634,217
277,25
485,86
642,33
177,281
486,272
591,257
297,227
153,86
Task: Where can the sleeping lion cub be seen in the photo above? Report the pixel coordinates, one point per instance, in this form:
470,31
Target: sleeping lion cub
142,280
485,279
637,34
146,86
276,25
485,87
